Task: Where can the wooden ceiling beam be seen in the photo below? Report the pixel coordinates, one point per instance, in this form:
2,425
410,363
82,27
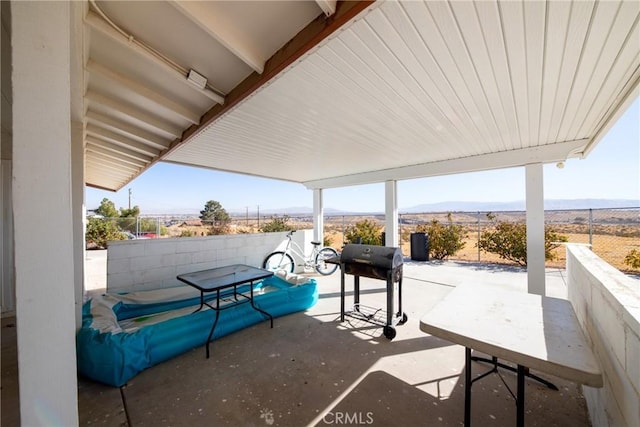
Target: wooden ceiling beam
115,154
314,33
133,132
222,29
97,23
140,89
114,166
120,140
140,116
307,39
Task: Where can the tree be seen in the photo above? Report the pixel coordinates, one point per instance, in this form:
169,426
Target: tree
107,209
444,240
277,224
366,232
509,241
100,231
129,219
129,213
215,213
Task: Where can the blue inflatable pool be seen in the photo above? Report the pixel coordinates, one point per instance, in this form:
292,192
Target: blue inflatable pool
123,334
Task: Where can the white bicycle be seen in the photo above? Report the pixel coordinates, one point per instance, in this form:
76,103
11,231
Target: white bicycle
283,260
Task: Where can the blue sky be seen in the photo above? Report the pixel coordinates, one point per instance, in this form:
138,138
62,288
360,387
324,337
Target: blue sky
611,171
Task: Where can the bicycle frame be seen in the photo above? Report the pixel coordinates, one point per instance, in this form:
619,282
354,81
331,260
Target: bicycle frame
292,254
292,248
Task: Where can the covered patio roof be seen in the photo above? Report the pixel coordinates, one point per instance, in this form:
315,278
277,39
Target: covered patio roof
330,95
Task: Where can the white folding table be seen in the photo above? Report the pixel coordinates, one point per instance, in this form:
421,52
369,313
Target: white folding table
531,331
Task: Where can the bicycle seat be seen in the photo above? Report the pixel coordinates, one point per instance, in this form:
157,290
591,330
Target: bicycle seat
315,243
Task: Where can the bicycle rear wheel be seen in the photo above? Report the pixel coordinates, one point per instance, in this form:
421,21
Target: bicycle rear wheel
321,266
278,261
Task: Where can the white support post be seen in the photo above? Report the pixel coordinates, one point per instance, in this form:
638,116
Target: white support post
7,284
42,211
78,215
535,229
391,213
318,216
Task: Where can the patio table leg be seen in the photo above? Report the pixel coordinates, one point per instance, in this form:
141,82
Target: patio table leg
215,322
520,398
467,387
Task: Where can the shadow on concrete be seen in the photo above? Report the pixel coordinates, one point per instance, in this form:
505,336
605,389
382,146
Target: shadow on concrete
308,365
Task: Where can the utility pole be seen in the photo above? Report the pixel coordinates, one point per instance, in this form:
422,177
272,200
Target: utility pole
258,216
129,198
247,214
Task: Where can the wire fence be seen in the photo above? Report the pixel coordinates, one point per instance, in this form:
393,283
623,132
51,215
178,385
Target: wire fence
612,233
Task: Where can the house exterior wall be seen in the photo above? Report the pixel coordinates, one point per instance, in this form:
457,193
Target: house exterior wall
136,265
607,304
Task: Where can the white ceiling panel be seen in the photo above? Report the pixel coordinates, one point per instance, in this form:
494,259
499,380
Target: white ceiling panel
392,90
165,29
138,99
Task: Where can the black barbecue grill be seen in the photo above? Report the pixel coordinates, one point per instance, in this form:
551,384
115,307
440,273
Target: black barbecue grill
376,262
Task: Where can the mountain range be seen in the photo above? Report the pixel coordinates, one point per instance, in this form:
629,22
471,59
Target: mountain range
461,206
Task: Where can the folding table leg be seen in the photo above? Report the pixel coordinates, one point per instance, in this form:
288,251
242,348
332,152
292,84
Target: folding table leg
520,398
467,387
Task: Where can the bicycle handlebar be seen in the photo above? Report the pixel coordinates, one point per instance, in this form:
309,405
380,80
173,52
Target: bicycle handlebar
289,234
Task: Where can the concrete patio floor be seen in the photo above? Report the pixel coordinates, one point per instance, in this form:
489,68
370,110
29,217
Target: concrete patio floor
310,369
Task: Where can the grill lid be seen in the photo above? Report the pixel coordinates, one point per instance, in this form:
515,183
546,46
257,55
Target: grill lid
371,255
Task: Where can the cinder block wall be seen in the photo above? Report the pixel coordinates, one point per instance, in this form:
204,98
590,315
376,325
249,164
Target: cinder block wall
607,303
136,265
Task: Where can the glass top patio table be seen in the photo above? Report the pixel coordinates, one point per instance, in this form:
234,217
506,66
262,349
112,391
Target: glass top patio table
220,278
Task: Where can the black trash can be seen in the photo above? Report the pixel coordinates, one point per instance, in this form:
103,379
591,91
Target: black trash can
419,247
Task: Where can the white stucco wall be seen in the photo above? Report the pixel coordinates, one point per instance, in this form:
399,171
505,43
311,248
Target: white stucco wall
607,303
8,292
42,213
79,215
7,283
135,265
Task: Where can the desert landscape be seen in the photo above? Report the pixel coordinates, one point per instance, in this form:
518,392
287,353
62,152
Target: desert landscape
613,233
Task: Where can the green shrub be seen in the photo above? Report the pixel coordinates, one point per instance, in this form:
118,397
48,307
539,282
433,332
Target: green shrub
633,259
141,225
187,233
508,240
277,224
444,239
100,231
150,225
367,231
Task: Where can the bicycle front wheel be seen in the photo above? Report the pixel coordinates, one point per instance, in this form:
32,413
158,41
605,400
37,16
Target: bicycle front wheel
323,267
278,261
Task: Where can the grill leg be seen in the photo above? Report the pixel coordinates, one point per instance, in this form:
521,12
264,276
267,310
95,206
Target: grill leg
356,292
389,301
342,293
400,296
